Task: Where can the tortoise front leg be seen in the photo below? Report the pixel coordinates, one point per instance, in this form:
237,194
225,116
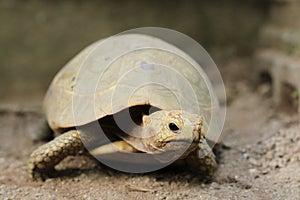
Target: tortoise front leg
202,161
43,160
117,146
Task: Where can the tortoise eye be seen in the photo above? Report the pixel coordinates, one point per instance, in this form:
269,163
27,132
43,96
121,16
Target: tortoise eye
173,127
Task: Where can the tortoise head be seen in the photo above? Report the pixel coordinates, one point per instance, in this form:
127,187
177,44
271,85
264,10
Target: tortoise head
172,131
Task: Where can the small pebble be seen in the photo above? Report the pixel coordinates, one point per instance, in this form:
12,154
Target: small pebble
37,195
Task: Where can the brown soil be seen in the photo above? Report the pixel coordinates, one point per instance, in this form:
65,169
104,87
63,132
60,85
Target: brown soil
262,161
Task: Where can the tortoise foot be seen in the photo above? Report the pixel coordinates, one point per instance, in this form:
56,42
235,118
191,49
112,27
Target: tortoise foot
43,174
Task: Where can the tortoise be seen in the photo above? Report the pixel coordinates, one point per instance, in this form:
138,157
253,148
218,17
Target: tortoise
161,124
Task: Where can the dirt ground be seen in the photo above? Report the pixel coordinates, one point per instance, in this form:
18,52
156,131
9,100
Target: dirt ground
262,160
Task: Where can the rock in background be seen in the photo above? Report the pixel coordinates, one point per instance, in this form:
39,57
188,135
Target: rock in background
280,50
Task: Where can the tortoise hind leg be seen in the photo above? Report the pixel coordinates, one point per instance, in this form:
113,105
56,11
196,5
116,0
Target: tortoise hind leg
202,161
43,160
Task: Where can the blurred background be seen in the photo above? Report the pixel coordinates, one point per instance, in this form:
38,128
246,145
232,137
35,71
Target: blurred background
256,46
38,37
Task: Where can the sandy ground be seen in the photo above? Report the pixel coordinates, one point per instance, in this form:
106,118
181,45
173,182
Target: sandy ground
262,161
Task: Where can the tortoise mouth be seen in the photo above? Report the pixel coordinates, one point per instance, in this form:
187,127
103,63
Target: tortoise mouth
176,149
181,141
179,145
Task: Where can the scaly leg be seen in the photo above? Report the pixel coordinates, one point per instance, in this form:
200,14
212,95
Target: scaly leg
43,160
202,161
